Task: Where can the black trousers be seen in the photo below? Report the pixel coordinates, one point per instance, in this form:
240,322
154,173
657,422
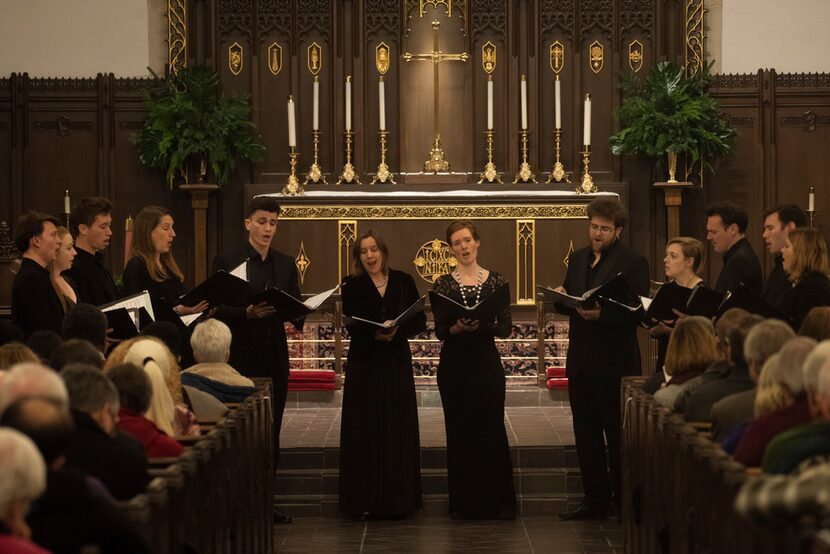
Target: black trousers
595,406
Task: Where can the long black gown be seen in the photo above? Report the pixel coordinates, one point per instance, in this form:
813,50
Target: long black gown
380,471
472,386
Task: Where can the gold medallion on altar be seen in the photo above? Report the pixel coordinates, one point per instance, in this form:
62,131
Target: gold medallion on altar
557,56
274,58
382,58
635,55
596,56
315,58
235,60
434,259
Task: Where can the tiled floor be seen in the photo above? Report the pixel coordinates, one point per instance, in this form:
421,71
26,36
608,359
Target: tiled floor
526,426
441,535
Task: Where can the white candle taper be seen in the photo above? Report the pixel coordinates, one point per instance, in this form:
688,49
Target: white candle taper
490,103
67,204
558,98
382,103
292,129
349,103
586,130
524,103
315,124
811,201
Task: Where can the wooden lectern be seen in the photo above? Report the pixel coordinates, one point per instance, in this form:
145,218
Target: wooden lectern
200,202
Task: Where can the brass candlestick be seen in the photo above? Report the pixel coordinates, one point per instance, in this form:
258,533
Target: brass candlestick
489,174
383,174
558,173
315,172
293,186
349,175
525,174
587,185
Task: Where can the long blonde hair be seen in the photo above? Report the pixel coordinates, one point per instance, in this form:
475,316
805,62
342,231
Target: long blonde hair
148,354
169,364
65,304
809,252
147,220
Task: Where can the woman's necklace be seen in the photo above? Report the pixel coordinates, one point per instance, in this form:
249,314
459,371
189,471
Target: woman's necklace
383,284
477,286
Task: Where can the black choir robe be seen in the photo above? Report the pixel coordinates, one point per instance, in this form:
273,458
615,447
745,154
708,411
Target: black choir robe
35,303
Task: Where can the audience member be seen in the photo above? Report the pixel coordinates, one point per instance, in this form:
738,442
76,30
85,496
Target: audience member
781,402
762,341
91,225
691,350
806,262
211,342
22,480
15,353
76,351
135,394
816,324
9,332
64,286
97,448
778,222
811,370
86,322
76,513
725,228
31,379
35,304
44,343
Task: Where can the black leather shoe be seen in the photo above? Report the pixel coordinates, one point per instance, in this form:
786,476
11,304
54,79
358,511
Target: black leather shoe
280,517
584,512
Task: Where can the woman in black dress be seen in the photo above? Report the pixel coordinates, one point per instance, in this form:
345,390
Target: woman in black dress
805,261
380,474
472,386
154,269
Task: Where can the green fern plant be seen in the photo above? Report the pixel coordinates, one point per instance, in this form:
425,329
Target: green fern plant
670,111
190,122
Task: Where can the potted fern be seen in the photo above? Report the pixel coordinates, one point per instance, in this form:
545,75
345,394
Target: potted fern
191,127
670,112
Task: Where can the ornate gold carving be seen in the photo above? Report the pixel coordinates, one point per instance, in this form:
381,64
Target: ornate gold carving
302,262
436,3
346,235
433,259
525,261
315,58
694,36
382,58
557,56
176,35
235,58
274,58
488,57
567,259
596,51
635,55
482,211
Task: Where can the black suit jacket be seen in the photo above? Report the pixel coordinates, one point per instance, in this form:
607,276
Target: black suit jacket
248,333
740,265
92,281
607,348
35,304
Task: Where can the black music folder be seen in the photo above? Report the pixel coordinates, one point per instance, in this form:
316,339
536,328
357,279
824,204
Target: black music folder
610,289
121,321
703,301
749,300
416,308
289,308
486,310
668,298
221,288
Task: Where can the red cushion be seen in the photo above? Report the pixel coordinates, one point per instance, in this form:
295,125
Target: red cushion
311,375
311,385
552,372
558,383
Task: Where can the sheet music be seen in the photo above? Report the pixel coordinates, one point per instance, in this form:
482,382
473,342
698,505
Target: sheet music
134,302
646,302
315,301
241,271
188,319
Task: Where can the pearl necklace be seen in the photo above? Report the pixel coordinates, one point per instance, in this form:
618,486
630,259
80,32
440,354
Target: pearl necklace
477,286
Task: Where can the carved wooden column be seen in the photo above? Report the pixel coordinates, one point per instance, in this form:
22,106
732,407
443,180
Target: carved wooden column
673,200
199,201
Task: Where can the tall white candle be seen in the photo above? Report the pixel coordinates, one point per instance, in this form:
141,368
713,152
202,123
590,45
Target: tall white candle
524,103
315,125
382,104
349,103
557,88
586,130
67,204
490,103
292,129
811,200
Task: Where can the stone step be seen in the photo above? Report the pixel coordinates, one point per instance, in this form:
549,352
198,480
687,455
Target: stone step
429,397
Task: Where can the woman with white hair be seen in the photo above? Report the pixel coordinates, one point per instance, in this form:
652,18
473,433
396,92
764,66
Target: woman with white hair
22,480
211,343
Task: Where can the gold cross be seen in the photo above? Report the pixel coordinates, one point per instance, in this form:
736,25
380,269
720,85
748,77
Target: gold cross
436,161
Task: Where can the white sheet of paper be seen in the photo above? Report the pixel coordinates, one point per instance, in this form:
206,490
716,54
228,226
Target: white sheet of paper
315,301
188,319
646,302
139,300
241,271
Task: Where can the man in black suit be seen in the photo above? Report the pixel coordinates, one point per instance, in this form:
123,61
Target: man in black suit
725,228
602,348
91,226
259,347
778,222
35,302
